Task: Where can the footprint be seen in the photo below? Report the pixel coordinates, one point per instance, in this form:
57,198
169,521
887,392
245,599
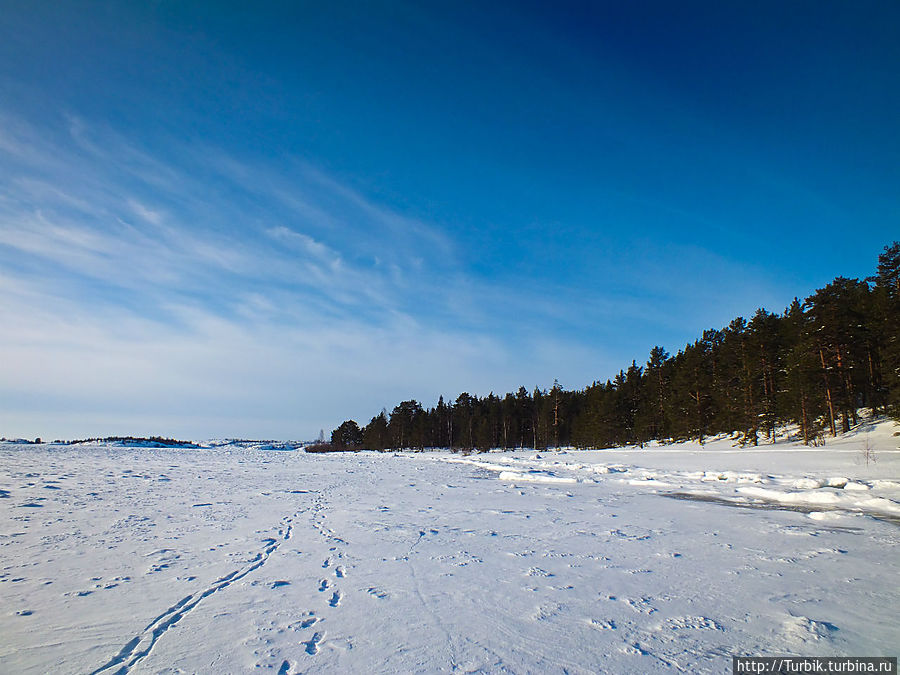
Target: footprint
606,624
339,572
323,585
692,623
312,645
640,605
335,599
538,572
377,592
635,648
307,619
547,611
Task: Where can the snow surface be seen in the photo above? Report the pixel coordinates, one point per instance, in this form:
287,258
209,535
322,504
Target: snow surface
231,559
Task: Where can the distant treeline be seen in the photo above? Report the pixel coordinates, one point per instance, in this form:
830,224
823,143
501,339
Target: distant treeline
813,366
152,441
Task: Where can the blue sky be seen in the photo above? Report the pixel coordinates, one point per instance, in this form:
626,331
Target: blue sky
218,219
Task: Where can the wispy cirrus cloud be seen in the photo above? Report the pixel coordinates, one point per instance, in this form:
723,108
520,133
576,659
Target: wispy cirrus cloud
102,209
263,299
202,292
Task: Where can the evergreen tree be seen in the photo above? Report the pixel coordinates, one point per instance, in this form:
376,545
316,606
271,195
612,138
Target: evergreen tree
765,350
443,424
690,400
652,414
375,434
348,436
838,326
555,401
463,414
803,395
886,311
525,417
405,427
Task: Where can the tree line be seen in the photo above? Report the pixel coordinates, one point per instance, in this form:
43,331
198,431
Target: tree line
813,366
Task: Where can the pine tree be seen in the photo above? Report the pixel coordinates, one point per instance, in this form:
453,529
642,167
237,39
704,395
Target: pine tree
555,396
690,399
375,434
463,411
765,348
838,324
652,414
887,313
805,403
347,436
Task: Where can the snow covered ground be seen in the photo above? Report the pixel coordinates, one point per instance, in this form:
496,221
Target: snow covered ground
230,559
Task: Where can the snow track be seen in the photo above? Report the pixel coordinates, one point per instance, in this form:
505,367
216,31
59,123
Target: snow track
139,647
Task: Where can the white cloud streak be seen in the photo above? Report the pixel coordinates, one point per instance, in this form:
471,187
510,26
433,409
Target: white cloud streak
209,296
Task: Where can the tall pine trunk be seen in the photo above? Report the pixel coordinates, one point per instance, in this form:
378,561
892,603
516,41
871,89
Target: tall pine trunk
828,397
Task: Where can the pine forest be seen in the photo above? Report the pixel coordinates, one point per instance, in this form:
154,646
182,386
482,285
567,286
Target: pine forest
814,366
